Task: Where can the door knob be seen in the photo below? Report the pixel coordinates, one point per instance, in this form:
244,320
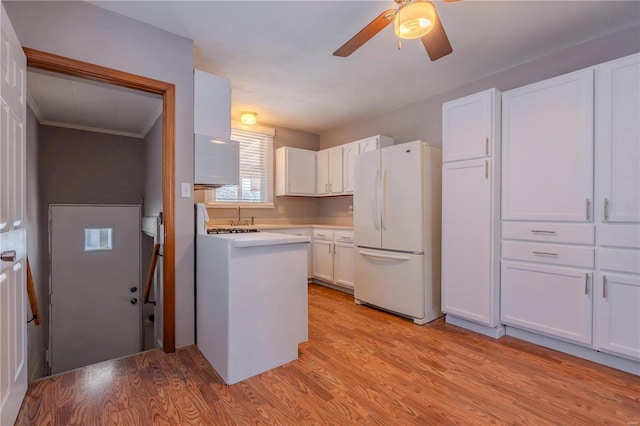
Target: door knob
134,300
134,289
8,256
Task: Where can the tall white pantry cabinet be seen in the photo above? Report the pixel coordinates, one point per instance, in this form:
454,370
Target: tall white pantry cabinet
570,275
471,212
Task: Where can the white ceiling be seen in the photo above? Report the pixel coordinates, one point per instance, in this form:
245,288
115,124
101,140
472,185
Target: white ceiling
278,54
61,100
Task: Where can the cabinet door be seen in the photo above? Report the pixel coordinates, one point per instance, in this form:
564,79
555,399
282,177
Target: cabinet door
322,186
211,105
344,264
216,162
547,162
335,170
295,171
547,299
349,153
323,260
617,314
467,291
468,126
300,171
618,140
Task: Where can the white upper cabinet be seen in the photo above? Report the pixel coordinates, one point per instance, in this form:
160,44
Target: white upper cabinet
618,140
211,105
329,172
349,153
322,172
469,126
547,161
295,171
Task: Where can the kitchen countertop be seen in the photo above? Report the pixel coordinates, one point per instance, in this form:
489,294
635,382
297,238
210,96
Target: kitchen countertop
268,226
257,239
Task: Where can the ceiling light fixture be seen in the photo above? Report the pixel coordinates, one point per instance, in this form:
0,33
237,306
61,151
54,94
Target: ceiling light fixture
248,117
415,20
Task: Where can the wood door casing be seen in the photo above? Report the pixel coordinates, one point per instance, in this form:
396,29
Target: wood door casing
64,65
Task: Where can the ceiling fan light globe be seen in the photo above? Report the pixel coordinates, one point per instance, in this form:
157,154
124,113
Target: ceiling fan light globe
415,20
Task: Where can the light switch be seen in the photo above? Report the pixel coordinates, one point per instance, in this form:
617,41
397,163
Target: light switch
185,190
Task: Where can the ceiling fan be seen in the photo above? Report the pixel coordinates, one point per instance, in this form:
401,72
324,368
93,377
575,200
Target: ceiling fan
412,19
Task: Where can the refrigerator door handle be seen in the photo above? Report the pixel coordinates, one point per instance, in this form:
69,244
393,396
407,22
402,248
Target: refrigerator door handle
383,182
374,200
384,256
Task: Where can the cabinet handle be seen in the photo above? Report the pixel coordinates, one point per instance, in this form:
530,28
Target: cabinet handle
606,209
540,231
588,209
486,145
586,283
545,253
486,169
605,282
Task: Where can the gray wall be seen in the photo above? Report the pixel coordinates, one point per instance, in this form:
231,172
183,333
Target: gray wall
290,209
88,33
35,251
81,167
153,170
423,119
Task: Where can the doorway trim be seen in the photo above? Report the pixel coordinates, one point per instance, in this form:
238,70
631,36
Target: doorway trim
64,65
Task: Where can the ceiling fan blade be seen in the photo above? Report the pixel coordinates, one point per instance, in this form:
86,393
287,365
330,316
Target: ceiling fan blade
436,41
373,28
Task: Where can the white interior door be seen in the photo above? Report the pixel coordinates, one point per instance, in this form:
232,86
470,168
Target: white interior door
13,327
95,284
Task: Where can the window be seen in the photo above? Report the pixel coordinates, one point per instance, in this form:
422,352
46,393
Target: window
98,239
256,174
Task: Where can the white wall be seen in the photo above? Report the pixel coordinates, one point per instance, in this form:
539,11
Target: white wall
153,170
88,33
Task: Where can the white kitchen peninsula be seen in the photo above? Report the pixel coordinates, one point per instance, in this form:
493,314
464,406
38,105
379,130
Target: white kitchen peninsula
251,301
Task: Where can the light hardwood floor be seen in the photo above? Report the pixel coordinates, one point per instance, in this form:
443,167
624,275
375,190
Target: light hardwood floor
360,366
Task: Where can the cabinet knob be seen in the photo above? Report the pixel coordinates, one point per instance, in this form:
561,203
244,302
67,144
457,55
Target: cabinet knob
133,301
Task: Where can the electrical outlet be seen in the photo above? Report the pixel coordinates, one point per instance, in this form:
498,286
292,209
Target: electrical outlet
350,209
280,209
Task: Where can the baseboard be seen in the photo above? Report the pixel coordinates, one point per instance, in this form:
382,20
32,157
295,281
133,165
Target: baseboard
494,332
332,286
612,361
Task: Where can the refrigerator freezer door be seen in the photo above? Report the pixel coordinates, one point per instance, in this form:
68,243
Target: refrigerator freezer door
390,280
366,197
401,198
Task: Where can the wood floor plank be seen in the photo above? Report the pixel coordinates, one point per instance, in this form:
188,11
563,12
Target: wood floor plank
361,366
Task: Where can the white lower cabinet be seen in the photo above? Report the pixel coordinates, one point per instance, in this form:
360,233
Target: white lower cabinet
344,264
617,309
333,258
323,260
548,299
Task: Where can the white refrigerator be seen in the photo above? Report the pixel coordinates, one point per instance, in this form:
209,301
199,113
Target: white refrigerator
397,204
